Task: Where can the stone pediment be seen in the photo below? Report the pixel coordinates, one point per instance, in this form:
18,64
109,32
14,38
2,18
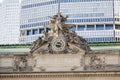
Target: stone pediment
60,39
72,49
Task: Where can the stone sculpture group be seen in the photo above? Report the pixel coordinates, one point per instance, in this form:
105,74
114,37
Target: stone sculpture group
60,37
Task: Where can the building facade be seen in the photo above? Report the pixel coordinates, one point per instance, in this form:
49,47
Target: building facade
1,23
10,22
96,20
0,18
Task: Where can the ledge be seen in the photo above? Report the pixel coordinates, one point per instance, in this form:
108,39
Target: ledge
59,74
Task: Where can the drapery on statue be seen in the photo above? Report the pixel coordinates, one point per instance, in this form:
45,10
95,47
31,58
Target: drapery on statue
45,36
58,23
36,44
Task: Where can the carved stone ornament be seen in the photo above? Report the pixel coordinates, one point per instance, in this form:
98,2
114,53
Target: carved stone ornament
97,63
20,63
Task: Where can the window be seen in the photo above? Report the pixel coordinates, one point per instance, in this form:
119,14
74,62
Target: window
99,27
35,31
72,29
41,30
117,26
109,27
81,27
39,4
90,27
28,32
47,30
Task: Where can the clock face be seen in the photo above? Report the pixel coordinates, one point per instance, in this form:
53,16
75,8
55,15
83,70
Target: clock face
58,44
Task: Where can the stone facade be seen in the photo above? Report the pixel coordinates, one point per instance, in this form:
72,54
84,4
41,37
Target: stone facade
92,61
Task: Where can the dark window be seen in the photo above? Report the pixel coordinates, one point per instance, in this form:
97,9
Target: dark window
35,31
47,30
117,26
81,27
72,29
109,27
41,30
28,32
99,27
90,27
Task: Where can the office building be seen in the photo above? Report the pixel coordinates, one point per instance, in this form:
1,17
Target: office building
10,22
0,18
96,20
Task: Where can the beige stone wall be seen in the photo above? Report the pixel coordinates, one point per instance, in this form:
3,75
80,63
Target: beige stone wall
6,61
109,57
62,76
58,62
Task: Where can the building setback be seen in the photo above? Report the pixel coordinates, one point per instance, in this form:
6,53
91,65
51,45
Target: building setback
96,20
10,23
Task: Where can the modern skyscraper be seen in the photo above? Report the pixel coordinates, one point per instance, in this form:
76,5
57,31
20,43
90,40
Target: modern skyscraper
1,24
10,22
96,20
0,19
0,12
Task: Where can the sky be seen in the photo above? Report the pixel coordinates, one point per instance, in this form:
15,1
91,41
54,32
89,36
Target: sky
0,0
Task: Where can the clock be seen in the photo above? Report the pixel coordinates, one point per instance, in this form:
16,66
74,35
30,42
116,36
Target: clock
58,44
